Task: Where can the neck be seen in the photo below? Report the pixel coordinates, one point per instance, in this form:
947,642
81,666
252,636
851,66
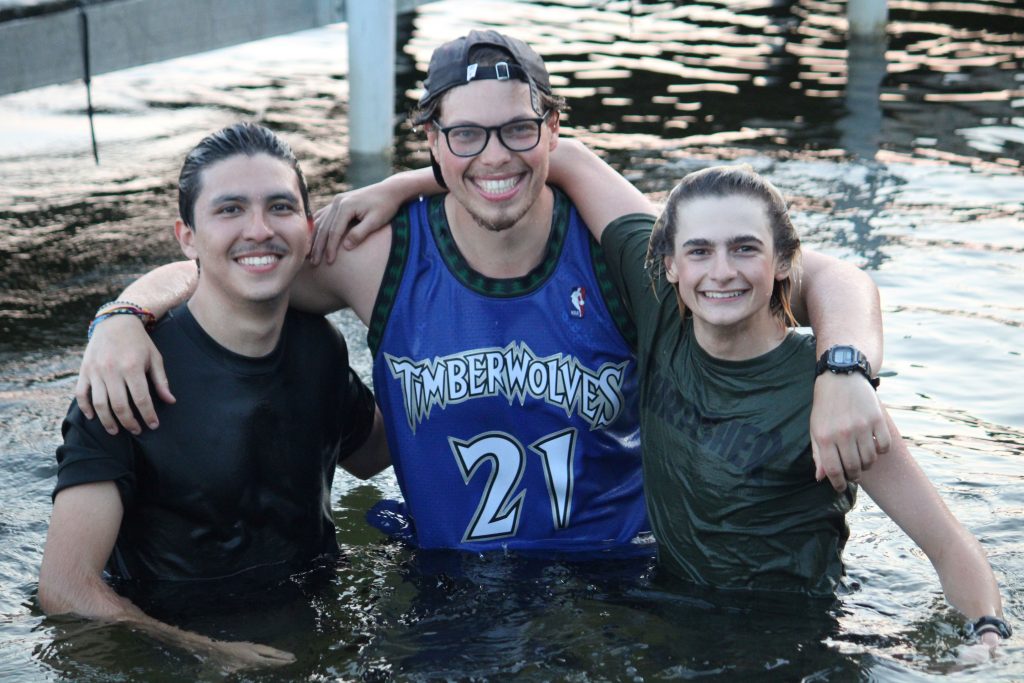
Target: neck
508,253
747,339
245,327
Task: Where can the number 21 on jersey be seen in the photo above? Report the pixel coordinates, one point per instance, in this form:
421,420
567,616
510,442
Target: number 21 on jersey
500,509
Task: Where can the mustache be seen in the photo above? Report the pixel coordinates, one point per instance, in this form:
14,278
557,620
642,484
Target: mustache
271,247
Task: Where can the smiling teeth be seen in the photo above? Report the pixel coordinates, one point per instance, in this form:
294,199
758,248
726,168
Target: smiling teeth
257,261
722,295
497,186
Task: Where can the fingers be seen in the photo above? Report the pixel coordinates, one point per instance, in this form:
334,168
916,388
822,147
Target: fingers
976,653
848,428
120,405
158,376
867,455
819,471
138,390
316,249
335,234
101,404
237,655
360,230
331,222
832,467
83,394
112,383
883,439
273,656
839,460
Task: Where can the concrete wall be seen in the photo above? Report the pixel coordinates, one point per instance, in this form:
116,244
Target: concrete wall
46,49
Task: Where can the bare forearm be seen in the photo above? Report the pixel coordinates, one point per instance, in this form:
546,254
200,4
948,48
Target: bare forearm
599,192
163,288
899,486
82,593
91,598
966,576
842,304
411,184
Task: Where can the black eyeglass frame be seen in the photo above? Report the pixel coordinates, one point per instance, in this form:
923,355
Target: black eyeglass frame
537,120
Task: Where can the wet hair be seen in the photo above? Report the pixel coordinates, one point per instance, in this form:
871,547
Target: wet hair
245,138
489,55
730,181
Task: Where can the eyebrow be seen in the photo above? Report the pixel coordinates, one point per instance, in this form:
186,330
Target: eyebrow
732,241
464,122
287,196
244,199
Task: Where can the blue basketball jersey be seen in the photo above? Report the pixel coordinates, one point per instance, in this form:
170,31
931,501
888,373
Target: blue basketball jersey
511,405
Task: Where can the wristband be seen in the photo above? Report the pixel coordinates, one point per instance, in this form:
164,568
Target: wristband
121,308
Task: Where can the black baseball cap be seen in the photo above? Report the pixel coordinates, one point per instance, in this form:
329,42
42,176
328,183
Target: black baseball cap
450,67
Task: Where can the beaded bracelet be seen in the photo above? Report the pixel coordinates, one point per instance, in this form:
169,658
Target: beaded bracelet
112,308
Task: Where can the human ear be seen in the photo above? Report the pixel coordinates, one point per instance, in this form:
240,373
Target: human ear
186,237
670,269
554,124
783,270
431,134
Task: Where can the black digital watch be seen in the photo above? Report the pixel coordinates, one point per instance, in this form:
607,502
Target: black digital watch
989,624
844,360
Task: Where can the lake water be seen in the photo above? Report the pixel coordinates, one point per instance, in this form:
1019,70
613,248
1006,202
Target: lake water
914,173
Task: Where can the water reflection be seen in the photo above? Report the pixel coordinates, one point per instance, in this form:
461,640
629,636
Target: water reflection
921,185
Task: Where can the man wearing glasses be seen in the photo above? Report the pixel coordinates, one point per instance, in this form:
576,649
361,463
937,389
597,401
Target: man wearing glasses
503,357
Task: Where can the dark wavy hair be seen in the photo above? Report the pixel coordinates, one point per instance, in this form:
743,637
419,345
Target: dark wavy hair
245,138
730,181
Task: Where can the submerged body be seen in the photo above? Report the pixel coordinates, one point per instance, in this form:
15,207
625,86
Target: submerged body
243,490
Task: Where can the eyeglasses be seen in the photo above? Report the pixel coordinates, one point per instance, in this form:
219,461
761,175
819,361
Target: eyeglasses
518,135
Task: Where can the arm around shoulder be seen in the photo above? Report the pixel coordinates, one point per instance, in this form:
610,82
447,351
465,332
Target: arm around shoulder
599,192
353,216
848,430
351,280
120,356
842,304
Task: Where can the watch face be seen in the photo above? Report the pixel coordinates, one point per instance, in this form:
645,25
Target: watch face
843,357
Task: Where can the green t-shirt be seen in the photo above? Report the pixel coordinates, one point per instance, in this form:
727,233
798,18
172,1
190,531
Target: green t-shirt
728,473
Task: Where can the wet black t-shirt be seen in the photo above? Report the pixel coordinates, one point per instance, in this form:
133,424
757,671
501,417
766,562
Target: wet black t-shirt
237,478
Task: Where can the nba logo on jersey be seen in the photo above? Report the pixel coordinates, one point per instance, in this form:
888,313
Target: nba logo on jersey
578,299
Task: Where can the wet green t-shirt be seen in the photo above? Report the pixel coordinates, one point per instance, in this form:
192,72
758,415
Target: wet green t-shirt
728,472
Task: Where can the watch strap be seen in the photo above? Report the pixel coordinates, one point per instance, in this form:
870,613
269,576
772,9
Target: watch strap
989,624
863,367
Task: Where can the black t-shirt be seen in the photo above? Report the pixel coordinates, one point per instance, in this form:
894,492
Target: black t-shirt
237,478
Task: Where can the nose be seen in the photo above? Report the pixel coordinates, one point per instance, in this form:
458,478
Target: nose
258,228
494,152
722,268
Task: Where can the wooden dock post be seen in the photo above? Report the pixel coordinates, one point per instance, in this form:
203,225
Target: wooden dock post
867,19
371,95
